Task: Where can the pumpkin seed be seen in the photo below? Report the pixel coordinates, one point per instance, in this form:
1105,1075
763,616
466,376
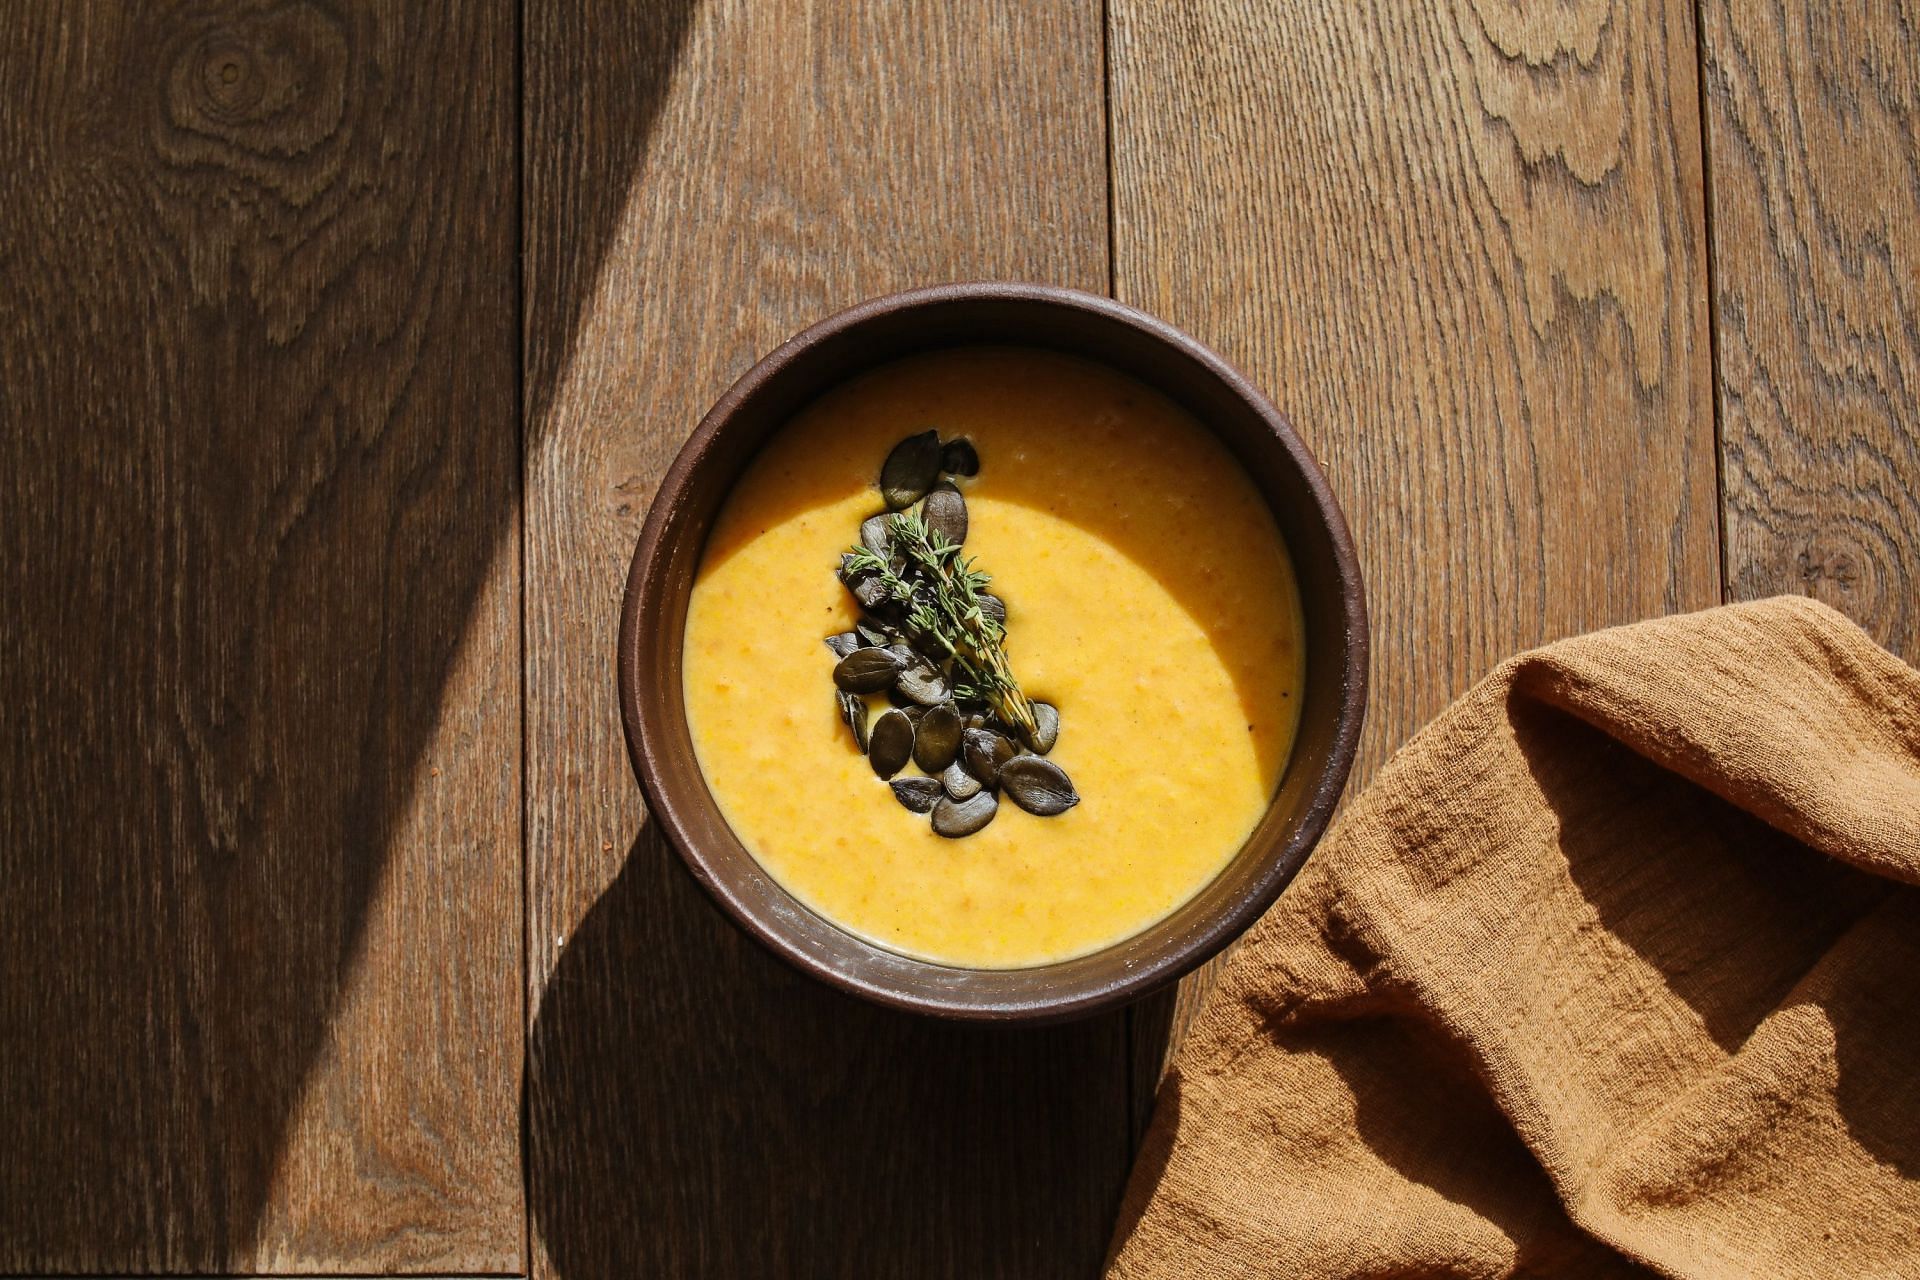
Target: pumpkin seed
915,714
867,670
854,711
930,643
960,458
945,513
959,783
920,681
874,633
1046,727
867,587
844,643
869,590
874,536
910,470
994,607
917,794
954,818
936,743
985,751
890,744
907,654
1038,786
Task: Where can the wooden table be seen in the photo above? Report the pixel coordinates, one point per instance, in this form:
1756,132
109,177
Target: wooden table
342,346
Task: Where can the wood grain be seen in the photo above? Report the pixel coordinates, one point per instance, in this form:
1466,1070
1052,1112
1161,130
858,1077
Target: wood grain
1813,126
1461,244
701,182
259,758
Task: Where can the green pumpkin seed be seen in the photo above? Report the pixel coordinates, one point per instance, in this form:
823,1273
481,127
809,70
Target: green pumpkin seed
936,744
844,643
867,587
867,670
908,655
959,783
955,818
1038,786
919,681
985,752
910,470
945,513
960,458
890,744
874,536
917,794
854,711
1046,727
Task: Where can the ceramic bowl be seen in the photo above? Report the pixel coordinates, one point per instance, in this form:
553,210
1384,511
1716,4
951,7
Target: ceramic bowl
768,396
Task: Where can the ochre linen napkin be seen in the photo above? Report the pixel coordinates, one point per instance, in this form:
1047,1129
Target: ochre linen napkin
1614,971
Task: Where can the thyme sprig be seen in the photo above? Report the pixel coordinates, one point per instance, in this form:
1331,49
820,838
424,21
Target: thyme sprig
940,595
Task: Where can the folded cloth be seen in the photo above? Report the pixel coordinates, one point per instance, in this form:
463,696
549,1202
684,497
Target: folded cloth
1615,971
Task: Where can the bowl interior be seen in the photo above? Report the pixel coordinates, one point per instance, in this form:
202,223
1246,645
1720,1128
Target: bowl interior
1095,328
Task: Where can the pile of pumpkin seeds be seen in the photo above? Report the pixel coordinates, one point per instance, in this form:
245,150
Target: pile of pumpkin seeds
931,638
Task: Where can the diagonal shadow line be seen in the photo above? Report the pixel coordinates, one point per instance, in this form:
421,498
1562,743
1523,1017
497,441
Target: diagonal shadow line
592,79
598,76
246,527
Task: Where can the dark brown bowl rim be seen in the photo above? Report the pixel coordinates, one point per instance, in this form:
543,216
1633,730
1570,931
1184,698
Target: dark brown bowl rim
1289,848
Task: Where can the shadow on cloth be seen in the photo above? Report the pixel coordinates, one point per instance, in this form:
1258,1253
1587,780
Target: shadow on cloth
1741,920
1421,1110
1418,1110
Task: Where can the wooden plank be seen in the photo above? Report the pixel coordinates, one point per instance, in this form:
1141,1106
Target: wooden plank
1813,141
1462,246
259,768
701,182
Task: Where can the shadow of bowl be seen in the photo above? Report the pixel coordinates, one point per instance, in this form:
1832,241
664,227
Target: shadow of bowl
696,1108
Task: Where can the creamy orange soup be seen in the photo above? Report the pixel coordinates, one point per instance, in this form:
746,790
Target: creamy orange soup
1149,598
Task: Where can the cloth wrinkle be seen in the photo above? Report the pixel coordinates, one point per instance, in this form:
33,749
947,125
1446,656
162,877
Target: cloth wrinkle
1614,970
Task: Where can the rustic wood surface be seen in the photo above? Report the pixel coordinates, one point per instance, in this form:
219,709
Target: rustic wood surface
1463,248
259,769
1559,296
1813,139
693,1107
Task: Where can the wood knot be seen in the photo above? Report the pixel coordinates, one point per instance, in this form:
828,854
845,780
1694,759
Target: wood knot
272,82
232,81
1836,567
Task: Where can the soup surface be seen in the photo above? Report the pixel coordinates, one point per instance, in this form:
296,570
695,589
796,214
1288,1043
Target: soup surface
1149,598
